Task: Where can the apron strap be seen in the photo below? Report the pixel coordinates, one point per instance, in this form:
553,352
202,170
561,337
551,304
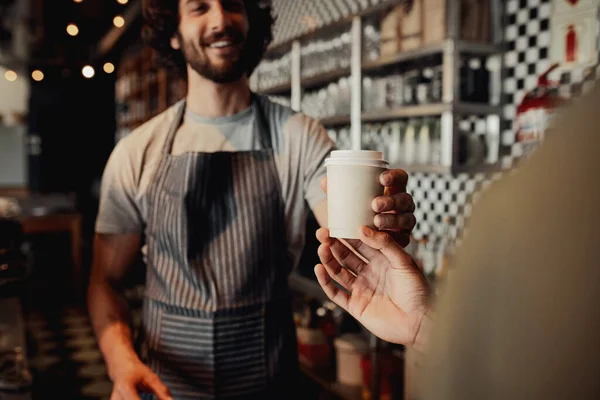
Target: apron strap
264,131
168,145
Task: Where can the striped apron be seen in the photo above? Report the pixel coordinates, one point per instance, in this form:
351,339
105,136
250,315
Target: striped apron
217,317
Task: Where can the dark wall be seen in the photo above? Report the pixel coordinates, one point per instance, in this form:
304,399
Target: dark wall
75,120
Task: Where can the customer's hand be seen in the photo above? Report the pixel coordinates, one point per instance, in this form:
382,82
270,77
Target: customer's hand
388,294
133,377
395,209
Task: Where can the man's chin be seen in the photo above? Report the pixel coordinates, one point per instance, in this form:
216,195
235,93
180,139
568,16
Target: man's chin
227,75
220,72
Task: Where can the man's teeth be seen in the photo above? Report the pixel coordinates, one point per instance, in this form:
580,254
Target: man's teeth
220,44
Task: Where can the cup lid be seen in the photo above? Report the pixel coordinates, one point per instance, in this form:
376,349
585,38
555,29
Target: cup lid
367,158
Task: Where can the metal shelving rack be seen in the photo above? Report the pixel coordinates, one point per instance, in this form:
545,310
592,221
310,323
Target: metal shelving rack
450,110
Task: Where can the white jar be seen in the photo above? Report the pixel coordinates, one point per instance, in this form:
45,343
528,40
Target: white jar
350,350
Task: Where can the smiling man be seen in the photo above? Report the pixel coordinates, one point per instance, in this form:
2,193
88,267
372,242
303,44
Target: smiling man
218,185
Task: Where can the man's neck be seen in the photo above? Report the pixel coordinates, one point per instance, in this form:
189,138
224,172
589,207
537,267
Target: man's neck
212,100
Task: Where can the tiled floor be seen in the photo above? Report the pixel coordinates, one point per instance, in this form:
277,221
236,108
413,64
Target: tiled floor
64,356
62,350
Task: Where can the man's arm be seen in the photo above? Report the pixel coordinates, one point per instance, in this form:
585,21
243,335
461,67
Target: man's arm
113,256
320,212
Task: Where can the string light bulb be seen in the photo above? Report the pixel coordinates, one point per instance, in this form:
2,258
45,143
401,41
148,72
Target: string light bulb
10,75
72,29
109,68
37,75
88,71
122,1
118,21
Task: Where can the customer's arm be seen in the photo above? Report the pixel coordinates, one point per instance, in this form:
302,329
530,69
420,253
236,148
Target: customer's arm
388,294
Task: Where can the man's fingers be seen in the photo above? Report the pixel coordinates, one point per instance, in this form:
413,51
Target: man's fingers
157,387
400,202
334,293
324,184
395,222
335,269
346,257
388,247
394,180
402,238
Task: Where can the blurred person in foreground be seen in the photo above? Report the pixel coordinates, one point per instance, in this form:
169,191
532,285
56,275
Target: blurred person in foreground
219,186
518,318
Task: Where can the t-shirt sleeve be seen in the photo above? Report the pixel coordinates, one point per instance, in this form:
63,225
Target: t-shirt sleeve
119,211
317,149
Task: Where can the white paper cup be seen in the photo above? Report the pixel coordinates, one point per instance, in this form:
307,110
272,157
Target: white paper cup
352,184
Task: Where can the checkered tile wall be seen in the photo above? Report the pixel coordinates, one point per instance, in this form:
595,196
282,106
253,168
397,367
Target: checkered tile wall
528,39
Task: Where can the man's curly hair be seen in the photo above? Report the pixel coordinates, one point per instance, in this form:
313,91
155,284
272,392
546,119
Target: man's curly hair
161,20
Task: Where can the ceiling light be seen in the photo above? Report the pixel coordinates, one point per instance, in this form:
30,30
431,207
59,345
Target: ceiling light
118,21
109,68
10,75
37,75
77,1
72,29
88,71
122,1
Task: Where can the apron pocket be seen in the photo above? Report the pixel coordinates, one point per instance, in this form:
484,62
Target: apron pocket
185,356
240,361
217,356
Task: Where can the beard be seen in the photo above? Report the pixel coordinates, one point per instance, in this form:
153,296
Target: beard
230,70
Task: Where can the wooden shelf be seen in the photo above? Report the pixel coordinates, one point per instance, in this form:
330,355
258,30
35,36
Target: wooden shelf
276,89
431,50
400,58
325,78
335,120
423,110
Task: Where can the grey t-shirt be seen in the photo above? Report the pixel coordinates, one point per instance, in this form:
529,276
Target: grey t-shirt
299,142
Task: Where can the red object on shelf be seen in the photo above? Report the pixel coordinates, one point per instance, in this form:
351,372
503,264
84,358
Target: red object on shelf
537,109
313,348
387,372
571,44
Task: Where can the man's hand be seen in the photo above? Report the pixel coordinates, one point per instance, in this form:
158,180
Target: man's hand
133,377
388,294
395,208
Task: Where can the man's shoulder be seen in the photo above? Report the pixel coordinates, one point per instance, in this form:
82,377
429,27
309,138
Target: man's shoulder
293,122
150,131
